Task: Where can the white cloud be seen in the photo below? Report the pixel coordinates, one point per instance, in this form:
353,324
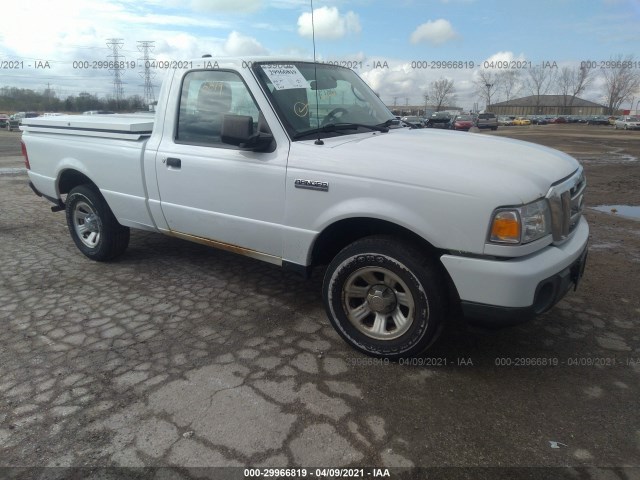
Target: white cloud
505,57
435,32
177,45
402,81
289,4
232,6
329,23
238,44
164,20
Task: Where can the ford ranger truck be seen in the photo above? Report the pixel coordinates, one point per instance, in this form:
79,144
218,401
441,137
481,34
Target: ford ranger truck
302,165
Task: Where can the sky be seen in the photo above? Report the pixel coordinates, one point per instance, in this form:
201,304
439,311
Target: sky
387,42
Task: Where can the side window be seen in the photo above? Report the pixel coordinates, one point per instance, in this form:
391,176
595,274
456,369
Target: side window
206,97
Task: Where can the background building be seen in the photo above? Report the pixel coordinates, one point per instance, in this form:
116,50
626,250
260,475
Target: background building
547,105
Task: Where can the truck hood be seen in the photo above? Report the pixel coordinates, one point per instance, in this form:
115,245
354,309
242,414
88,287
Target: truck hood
457,162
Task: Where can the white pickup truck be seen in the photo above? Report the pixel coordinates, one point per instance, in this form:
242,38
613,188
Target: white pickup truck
300,165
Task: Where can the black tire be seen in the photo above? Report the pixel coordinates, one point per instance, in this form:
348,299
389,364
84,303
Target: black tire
92,225
392,271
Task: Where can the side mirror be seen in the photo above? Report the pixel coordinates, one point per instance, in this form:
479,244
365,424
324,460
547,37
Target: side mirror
238,130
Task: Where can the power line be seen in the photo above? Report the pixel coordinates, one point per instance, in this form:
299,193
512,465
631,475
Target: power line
116,44
145,47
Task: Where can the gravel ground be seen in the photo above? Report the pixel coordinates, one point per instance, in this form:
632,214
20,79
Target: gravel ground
179,356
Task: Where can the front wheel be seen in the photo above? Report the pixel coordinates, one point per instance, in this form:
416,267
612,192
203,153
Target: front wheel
92,225
384,297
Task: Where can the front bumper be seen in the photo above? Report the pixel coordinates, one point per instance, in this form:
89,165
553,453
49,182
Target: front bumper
504,292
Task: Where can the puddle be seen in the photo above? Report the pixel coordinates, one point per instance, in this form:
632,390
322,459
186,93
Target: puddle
627,211
612,156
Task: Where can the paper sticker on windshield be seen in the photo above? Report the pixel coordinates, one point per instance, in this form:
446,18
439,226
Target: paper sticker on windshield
284,77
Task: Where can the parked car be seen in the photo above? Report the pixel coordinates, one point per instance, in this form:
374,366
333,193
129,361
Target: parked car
4,119
439,120
539,120
15,120
522,121
98,112
598,120
462,122
612,120
413,120
487,120
407,225
559,120
505,121
627,122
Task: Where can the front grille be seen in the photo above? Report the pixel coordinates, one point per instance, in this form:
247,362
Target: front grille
566,200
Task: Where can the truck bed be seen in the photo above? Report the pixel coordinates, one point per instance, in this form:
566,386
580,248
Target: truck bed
107,149
123,126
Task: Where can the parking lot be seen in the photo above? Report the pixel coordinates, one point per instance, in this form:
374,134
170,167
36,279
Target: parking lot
178,355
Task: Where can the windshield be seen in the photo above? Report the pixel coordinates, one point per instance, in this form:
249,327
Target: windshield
307,101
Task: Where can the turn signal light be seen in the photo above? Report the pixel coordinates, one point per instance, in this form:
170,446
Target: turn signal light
505,227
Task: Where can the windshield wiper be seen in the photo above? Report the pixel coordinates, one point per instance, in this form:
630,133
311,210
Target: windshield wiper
340,127
388,123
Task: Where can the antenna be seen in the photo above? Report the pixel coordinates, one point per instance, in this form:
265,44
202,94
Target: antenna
315,74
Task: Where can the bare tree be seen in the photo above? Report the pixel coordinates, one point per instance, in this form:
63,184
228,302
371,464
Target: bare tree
571,82
511,83
441,92
487,86
538,82
621,82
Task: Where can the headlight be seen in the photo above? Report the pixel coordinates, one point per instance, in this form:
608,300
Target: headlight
521,224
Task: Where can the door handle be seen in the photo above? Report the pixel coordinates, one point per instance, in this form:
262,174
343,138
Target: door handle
174,162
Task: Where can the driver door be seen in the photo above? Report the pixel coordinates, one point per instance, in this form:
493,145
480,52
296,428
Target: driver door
210,191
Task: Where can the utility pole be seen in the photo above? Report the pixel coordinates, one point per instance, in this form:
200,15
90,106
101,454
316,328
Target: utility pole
115,44
145,47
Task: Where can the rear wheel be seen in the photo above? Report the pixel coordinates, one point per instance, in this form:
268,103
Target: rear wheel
384,297
92,225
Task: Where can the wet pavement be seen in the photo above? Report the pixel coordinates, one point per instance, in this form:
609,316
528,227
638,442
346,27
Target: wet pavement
628,211
182,356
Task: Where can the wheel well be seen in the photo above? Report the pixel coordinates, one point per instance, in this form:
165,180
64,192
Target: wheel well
72,178
344,232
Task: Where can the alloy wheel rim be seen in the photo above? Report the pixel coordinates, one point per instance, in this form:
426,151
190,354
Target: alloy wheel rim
378,303
87,224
